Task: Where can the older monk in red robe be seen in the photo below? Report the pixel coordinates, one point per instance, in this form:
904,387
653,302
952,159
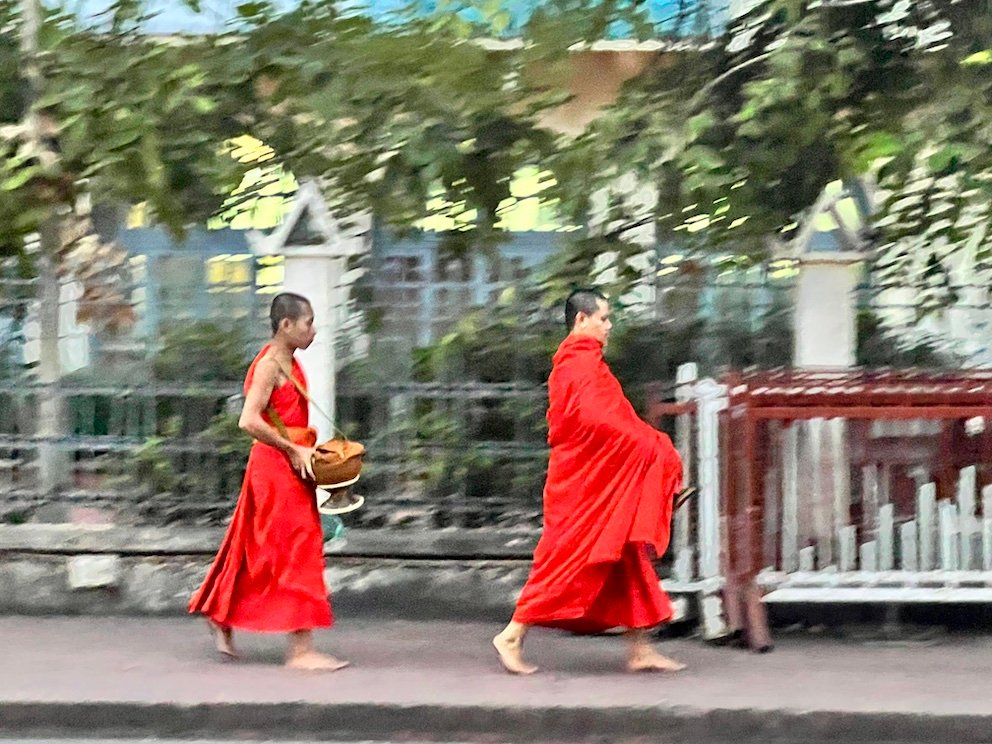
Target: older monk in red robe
607,503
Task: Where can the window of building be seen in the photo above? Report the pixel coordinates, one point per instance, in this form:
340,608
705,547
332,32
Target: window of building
270,273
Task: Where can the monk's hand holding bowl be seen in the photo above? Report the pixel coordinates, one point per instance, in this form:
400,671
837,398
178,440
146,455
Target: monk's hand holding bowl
301,458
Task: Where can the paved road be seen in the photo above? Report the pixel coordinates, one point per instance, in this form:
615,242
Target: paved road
124,677
488,740
4,740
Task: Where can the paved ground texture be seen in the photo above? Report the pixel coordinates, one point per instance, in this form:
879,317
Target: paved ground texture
158,677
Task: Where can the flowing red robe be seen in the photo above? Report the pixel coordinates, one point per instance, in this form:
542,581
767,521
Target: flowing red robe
607,501
269,572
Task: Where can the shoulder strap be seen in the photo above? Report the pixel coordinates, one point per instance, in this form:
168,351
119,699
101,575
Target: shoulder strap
302,390
277,420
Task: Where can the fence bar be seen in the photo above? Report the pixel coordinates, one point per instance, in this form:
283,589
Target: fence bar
790,498
886,537
869,556
682,537
869,498
773,498
948,517
841,481
848,548
873,413
712,399
909,546
926,515
968,521
987,528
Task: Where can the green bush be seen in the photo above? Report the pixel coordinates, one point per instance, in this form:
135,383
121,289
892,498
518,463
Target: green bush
202,351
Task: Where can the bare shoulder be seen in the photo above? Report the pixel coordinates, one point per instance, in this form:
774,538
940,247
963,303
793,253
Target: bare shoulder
267,372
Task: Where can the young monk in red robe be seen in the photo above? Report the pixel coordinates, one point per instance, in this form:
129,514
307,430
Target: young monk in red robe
269,573
607,502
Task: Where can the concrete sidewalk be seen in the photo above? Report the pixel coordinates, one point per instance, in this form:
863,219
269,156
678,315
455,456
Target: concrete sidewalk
158,677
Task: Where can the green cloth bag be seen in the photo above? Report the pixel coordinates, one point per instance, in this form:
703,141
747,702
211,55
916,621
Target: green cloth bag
333,527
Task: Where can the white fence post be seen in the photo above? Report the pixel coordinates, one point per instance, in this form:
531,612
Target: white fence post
683,550
711,398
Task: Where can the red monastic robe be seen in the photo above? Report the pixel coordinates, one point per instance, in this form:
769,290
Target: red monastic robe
607,501
269,572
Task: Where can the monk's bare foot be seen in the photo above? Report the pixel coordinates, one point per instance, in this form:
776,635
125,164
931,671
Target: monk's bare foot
510,652
311,661
652,661
223,640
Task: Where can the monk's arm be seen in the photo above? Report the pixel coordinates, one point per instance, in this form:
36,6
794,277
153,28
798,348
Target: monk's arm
256,401
597,408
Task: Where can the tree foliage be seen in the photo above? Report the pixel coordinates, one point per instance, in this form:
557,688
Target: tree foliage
124,117
740,140
733,140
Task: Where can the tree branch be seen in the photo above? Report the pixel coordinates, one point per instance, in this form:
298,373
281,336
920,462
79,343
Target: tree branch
704,92
626,227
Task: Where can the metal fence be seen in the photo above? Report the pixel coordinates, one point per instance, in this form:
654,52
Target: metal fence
139,454
456,433
831,487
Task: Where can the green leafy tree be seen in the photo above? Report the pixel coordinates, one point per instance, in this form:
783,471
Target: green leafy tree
740,141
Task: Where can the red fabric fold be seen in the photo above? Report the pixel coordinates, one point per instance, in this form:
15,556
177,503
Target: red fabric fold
607,502
268,575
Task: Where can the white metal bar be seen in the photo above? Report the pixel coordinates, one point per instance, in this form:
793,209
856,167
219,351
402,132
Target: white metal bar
889,579
987,528
681,537
848,548
773,481
822,491
869,498
948,519
906,595
909,546
869,556
711,398
683,569
837,429
790,498
968,522
926,517
886,538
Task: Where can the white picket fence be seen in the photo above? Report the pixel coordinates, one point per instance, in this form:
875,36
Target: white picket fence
696,527
943,554
814,551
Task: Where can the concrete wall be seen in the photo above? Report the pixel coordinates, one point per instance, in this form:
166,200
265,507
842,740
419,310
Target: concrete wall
109,570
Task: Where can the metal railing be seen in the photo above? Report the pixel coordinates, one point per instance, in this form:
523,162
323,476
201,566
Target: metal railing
834,487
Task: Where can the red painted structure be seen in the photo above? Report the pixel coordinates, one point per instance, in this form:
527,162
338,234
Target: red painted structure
762,402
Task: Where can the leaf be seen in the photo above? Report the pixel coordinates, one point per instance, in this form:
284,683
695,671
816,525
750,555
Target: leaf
983,57
699,124
252,10
19,178
877,146
204,105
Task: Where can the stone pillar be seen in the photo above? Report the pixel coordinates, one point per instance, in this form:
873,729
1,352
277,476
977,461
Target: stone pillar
316,273
316,249
825,322
825,337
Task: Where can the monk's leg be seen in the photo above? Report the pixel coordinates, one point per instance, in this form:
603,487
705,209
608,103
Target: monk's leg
223,639
303,656
642,656
510,648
